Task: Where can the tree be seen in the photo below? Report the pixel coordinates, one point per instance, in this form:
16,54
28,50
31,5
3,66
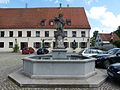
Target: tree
93,39
16,47
116,43
117,31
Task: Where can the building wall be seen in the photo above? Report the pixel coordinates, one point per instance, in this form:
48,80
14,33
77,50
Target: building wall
6,39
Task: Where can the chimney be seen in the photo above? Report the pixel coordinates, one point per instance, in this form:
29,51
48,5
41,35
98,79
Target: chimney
60,5
67,5
26,5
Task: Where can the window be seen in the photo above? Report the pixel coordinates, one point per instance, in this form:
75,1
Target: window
83,45
46,33
28,33
37,44
42,23
82,33
10,44
19,33
1,44
10,33
73,33
37,33
2,33
51,22
65,32
68,22
47,45
66,44
74,45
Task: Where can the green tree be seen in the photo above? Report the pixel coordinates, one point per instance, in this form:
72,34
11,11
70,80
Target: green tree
117,31
93,39
16,48
116,43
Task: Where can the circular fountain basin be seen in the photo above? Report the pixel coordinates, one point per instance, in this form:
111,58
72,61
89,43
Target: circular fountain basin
44,66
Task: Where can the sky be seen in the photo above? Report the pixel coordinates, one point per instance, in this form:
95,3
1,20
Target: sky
103,15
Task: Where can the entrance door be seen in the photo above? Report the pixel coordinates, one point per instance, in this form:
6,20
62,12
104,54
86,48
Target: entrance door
23,45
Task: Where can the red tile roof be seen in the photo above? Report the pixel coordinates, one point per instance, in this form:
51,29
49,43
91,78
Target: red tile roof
108,36
20,18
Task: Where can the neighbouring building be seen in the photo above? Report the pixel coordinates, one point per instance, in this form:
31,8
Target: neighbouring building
103,40
29,26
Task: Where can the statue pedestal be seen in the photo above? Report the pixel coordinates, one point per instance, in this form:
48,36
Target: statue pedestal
59,54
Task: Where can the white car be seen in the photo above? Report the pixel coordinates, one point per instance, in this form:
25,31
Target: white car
88,52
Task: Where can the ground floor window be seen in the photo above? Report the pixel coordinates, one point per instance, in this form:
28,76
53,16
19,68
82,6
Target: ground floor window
47,45
66,44
10,44
74,45
23,45
1,44
37,44
83,44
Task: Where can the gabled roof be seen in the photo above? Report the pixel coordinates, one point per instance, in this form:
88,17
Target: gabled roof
108,36
21,18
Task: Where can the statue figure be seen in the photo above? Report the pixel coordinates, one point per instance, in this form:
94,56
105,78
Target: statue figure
59,35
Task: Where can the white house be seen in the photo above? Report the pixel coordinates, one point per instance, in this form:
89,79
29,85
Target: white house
29,26
103,40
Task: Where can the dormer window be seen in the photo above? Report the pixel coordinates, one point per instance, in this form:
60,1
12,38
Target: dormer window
42,23
51,23
68,22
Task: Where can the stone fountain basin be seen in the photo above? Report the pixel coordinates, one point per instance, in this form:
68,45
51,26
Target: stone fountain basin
49,68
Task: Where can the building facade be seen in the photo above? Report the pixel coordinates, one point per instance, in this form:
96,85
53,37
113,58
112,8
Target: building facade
29,26
103,40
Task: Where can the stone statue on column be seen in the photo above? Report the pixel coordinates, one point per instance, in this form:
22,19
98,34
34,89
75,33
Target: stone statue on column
59,35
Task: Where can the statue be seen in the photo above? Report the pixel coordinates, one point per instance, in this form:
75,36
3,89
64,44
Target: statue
59,35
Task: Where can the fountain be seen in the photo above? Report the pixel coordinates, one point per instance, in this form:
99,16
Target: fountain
59,64
58,67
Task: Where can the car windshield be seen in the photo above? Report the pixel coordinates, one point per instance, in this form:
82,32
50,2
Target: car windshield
112,51
81,51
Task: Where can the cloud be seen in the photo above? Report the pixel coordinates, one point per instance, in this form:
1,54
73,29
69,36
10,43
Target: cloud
4,1
88,2
107,20
58,1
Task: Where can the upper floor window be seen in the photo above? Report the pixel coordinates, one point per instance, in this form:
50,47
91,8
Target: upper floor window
2,33
28,33
37,33
1,44
46,33
10,33
73,33
68,22
42,23
82,33
19,33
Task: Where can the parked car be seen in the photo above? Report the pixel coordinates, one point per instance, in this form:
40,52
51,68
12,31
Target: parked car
42,51
113,71
110,57
89,52
28,50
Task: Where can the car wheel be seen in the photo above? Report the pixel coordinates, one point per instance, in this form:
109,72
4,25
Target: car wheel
106,64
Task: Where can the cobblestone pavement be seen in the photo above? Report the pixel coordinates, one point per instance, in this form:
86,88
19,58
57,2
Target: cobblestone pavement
10,62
